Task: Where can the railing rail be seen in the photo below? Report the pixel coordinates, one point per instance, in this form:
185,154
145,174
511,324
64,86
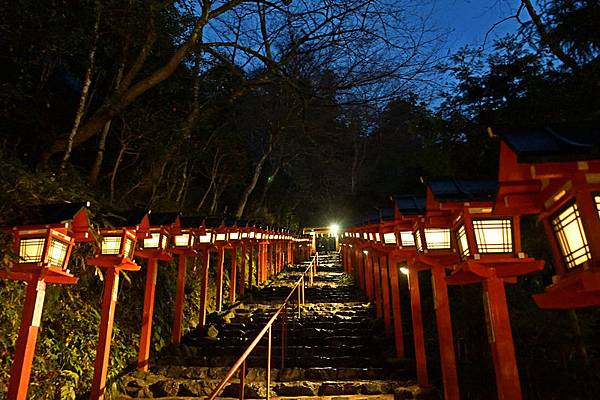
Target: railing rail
240,364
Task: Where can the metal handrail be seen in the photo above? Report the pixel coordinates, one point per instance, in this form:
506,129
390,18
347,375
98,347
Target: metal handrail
241,361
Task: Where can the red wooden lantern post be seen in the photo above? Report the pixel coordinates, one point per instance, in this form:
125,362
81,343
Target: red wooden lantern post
234,232
184,245
221,243
154,248
435,253
409,209
205,245
489,248
115,254
556,173
245,241
43,243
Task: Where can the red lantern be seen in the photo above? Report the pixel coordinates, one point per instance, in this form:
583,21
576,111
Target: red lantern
556,173
43,243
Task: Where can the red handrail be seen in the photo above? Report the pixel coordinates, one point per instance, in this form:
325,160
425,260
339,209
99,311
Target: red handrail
241,362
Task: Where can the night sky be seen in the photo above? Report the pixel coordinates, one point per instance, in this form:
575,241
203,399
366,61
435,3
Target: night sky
469,20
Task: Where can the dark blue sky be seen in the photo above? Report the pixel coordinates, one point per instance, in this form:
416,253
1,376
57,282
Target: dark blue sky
469,20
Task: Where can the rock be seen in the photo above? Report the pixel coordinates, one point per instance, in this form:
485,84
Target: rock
295,389
430,393
212,331
339,388
191,388
321,374
167,388
291,374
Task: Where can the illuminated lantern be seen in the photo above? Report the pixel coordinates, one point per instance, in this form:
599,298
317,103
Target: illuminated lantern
43,244
233,233
556,173
488,245
184,244
409,213
115,254
155,246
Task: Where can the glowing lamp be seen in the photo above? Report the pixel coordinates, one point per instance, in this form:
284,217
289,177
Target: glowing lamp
556,173
206,238
118,243
404,270
157,240
570,235
406,239
389,238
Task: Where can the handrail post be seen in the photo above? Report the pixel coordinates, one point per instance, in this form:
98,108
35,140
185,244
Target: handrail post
242,379
269,366
298,290
302,285
283,336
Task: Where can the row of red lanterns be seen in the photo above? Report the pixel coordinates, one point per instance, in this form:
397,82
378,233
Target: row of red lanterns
43,245
467,231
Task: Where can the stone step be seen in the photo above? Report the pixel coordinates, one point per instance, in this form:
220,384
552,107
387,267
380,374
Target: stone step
157,386
288,374
258,360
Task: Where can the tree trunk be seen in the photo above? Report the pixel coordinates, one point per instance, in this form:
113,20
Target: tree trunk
128,94
547,39
115,169
95,171
87,81
251,185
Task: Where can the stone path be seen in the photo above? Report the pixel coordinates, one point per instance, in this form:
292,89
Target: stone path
336,349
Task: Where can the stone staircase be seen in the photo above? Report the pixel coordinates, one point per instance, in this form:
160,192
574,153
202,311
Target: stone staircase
335,349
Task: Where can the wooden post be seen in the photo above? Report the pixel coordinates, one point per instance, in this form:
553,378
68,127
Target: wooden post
243,270
369,275
146,333
377,283
501,340
20,370
385,292
204,291
233,277
219,288
418,335
444,329
109,301
179,301
251,266
396,310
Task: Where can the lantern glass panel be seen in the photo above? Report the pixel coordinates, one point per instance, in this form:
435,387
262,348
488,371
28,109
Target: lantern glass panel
389,238
164,241
111,245
244,235
30,250
597,201
571,236
205,238
57,253
493,235
182,240
234,235
437,239
153,241
407,239
418,240
252,235
463,244
377,237
129,246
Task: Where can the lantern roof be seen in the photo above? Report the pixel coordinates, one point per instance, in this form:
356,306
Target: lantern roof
164,218
410,204
553,144
213,222
386,213
191,221
463,190
122,219
372,218
53,214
